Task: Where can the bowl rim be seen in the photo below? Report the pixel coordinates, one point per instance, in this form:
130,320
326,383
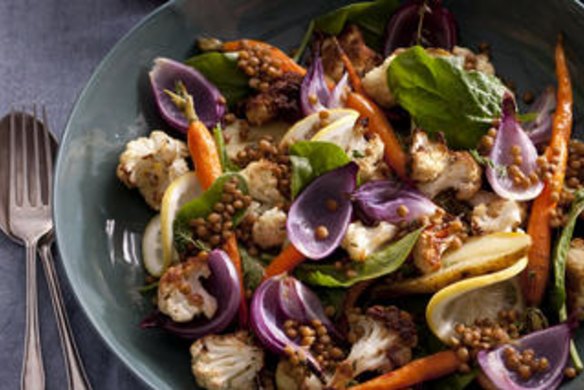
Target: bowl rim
96,322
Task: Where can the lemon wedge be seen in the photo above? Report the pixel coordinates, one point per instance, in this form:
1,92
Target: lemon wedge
475,298
180,191
305,128
152,247
341,133
478,256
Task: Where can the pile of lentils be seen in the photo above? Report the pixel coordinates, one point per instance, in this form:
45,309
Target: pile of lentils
315,338
259,65
524,363
484,334
214,230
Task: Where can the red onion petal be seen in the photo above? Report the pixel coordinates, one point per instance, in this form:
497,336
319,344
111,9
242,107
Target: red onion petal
309,211
314,86
336,98
439,27
379,200
267,321
511,134
209,104
540,130
225,287
552,343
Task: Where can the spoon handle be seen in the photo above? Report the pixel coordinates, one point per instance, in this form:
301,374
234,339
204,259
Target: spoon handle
33,373
76,377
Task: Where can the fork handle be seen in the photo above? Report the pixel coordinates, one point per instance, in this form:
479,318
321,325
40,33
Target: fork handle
76,376
33,374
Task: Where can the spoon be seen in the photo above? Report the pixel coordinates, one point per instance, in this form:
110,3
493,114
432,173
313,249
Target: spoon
76,377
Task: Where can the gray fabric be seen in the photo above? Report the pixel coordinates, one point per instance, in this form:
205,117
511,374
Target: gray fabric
49,49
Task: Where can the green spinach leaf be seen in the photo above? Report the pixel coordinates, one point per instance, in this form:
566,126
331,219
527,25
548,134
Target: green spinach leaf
370,16
221,70
310,159
380,263
561,255
226,163
442,97
203,206
253,269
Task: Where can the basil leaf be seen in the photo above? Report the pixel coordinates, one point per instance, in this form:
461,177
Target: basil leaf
221,70
371,17
558,297
203,206
226,163
442,97
310,159
380,263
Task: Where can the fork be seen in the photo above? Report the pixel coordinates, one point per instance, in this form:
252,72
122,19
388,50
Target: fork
29,214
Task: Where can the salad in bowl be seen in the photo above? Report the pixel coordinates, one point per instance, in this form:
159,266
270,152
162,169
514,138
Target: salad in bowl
371,211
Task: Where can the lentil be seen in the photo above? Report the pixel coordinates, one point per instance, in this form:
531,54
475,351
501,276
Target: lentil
321,232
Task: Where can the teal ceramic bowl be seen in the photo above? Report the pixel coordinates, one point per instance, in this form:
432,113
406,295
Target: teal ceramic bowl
99,222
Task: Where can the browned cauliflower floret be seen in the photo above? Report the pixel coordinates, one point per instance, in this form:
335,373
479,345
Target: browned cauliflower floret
352,43
360,241
371,164
375,83
227,362
472,61
492,213
181,296
150,164
269,229
437,169
434,241
290,377
384,338
263,183
575,276
281,100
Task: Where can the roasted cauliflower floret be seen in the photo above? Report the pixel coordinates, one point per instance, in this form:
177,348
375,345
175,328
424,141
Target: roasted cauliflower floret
227,362
269,230
289,377
371,163
360,241
280,101
263,183
151,163
181,295
352,43
575,276
492,213
436,169
472,61
375,84
434,241
383,341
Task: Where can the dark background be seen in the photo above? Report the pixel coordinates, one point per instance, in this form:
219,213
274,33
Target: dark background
48,50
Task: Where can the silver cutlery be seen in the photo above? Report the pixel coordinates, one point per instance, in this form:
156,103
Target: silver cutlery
29,220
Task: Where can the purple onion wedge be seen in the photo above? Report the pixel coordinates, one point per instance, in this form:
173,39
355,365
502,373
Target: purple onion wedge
509,136
225,287
314,93
552,343
540,129
309,212
380,200
338,92
267,321
438,26
209,103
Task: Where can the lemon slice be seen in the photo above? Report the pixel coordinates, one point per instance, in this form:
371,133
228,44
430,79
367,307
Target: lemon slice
470,299
478,256
341,133
180,191
152,247
307,127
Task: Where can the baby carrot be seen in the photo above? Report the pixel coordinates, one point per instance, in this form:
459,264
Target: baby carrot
394,154
535,276
287,64
289,258
207,168
417,371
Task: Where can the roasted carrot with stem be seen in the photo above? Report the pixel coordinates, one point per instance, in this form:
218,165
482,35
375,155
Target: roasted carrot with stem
353,75
208,168
287,64
417,371
534,278
286,261
394,154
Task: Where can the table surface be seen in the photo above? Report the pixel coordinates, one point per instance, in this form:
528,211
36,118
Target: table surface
49,49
